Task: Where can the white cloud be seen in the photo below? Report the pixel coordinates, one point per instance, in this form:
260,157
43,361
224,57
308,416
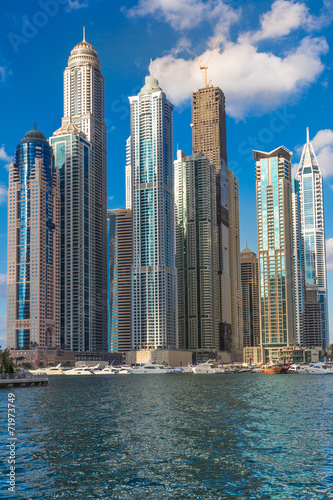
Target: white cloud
253,81
5,157
110,198
283,18
76,4
3,285
329,254
3,195
3,72
186,14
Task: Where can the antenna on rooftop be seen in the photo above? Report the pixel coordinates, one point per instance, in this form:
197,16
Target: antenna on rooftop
84,33
35,125
151,67
307,135
204,66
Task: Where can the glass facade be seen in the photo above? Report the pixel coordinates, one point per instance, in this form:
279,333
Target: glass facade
154,291
310,181
73,157
33,232
274,214
196,252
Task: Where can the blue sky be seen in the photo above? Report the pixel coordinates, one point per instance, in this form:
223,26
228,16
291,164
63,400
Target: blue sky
273,61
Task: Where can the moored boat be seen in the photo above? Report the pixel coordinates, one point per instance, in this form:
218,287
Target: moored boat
274,368
318,369
79,370
150,369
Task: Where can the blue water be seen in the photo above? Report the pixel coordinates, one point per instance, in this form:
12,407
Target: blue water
245,436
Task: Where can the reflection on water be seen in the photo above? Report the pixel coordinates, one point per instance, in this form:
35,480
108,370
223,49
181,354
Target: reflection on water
245,436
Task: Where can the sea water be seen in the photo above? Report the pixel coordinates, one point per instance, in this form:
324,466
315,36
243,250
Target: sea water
237,436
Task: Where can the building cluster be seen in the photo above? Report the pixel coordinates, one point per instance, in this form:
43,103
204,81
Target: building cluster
166,272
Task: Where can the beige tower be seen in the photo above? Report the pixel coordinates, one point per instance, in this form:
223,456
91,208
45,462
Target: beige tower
209,138
119,241
250,298
33,293
235,271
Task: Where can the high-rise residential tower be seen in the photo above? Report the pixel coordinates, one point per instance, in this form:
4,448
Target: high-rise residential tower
33,290
119,240
196,253
128,174
275,253
298,263
154,275
235,270
209,138
73,158
84,106
250,298
313,228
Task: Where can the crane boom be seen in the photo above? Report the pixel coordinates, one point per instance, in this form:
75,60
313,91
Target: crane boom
204,66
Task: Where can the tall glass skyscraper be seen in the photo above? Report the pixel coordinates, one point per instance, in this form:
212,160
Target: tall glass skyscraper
298,263
275,253
84,107
313,228
33,290
73,158
154,275
196,253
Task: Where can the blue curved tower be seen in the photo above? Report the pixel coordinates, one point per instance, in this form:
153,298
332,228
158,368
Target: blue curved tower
33,312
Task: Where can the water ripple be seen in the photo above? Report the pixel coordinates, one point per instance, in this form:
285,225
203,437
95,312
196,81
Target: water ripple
246,436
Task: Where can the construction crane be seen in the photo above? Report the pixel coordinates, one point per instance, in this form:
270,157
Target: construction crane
204,66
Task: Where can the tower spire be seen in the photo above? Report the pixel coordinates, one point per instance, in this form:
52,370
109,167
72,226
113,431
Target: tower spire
84,33
307,135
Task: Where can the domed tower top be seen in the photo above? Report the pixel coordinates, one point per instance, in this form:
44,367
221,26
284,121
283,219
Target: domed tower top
34,136
84,53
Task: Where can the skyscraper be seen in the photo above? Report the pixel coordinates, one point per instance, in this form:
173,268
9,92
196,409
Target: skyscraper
209,138
73,158
235,271
119,229
313,319
33,293
313,228
84,106
274,219
154,275
128,174
196,252
250,298
298,263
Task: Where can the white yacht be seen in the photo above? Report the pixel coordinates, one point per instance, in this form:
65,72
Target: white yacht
318,369
124,370
54,370
150,369
79,370
205,368
107,370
